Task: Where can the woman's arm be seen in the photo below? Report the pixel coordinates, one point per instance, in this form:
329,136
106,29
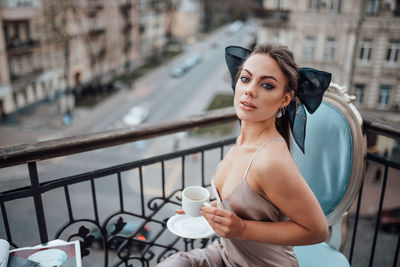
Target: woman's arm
280,180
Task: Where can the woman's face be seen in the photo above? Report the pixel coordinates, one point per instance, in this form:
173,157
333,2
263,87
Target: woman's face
260,89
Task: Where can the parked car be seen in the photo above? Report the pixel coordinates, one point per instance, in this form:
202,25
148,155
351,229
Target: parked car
136,115
177,72
192,61
390,220
189,63
129,228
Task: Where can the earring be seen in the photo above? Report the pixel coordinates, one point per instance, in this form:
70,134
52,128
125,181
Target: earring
281,112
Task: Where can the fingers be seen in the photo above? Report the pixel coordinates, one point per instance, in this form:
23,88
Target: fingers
216,216
215,211
217,219
221,230
222,226
213,203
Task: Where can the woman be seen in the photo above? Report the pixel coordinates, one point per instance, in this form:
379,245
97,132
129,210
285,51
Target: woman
263,206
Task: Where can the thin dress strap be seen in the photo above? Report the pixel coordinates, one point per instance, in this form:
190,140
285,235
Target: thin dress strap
258,149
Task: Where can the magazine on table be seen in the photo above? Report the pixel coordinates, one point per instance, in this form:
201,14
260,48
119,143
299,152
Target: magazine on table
54,253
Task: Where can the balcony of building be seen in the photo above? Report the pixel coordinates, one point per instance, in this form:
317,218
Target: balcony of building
127,28
149,208
125,7
94,7
127,46
271,17
16,46
98,56
18,9
23,79
96,32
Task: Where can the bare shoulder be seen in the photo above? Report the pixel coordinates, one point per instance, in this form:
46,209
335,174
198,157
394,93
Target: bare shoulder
274,164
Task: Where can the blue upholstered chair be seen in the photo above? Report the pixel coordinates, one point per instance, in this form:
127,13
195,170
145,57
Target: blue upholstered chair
333,166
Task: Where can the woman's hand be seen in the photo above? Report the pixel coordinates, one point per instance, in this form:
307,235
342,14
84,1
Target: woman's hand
225,223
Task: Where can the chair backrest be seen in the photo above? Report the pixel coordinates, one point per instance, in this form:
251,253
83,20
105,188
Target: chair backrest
335,148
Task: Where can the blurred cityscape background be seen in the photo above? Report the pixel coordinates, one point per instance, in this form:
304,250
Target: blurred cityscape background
72,67
74,54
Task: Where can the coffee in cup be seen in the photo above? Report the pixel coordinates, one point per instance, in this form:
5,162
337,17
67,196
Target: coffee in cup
193,197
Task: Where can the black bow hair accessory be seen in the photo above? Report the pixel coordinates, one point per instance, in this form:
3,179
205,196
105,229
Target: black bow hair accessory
311,87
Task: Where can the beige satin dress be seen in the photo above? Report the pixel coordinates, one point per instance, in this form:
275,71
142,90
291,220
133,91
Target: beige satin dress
248,205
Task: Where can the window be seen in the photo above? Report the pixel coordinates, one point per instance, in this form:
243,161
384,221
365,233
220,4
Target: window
366,50
16,31
373,7
397,8
40,59
56,58
11,68
25,95
384,96
37,32
44,89
359,92
30,57
314,4
28,31
34,89
330,49
309,48
21,65
334,5
6,33
15,98
48,60
392,54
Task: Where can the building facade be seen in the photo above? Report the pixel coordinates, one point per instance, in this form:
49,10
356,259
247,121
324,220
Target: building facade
26,73
187,19
357,41
49,46
154,20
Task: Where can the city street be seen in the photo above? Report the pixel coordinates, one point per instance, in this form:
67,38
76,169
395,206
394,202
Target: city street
166,97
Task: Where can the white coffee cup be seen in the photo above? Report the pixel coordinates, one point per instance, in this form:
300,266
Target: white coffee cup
193,197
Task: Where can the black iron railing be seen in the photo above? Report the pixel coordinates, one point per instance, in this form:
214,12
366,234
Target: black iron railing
134,232
124,237
390,130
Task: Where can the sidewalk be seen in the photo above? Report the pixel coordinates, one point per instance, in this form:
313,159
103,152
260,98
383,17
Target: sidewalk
44,122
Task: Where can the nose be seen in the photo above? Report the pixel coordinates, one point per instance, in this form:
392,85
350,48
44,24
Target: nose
251,90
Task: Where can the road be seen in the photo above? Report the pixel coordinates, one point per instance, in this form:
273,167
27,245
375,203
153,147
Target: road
167,98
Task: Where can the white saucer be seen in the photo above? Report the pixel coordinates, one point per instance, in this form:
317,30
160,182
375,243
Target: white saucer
189,227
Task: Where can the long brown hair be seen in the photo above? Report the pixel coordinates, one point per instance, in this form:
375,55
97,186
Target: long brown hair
285,59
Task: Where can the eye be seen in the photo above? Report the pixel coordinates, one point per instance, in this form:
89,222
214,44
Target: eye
267,86
244,79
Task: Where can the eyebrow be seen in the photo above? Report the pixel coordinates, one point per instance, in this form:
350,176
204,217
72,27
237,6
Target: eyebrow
262,77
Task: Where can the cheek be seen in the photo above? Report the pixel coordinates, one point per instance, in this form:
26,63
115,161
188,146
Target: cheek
237,94
270,101
270,104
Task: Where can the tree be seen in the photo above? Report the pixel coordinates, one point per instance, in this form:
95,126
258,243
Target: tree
55,16
62,16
